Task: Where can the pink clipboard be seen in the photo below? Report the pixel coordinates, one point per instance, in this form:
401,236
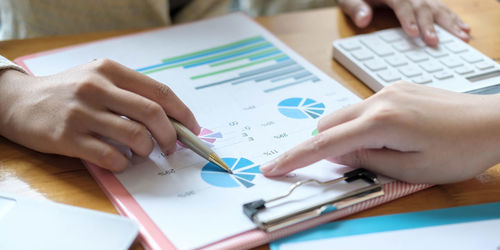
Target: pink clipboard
153,238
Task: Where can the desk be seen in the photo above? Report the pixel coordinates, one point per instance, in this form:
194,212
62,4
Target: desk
65,180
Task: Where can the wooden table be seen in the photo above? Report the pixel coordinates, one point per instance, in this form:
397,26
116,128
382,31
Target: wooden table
65,180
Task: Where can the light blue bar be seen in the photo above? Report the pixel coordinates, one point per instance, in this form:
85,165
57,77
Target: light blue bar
230,56
264,56
289,84
260,77
283,59
277,79
267,68
429,218
201,55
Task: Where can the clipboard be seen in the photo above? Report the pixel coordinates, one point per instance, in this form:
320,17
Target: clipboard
152,236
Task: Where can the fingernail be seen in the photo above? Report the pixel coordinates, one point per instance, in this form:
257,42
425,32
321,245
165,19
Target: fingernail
463,35
463,25
361,14
431,34
268,167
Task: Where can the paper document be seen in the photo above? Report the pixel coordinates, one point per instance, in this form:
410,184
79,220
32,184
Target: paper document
468,227
254,97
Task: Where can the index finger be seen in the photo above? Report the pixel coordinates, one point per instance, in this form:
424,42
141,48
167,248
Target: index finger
339,140
160,93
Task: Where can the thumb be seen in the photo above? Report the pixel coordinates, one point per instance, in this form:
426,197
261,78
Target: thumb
358,10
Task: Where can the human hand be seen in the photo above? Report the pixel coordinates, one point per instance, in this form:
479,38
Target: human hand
416,17
406,131
69,113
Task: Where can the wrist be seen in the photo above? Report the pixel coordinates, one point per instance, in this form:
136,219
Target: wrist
12,85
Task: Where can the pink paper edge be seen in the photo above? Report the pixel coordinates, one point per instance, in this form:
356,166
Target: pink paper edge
151,237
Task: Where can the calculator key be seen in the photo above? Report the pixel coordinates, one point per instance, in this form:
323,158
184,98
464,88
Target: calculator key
443,37
422,79
484,65
417,56
389,75
418,42
456,47
443,75
403,46
350,45
377,45
464,70
396,60
451,62
410,71
391,35
431,66
375,65
472,57
362,55
436,52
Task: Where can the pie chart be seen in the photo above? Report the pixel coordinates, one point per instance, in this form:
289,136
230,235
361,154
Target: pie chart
301,108
244,172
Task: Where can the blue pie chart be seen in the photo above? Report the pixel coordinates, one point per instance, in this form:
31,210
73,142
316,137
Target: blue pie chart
244,172
301,108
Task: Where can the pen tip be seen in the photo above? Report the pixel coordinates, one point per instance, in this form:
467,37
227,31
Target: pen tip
219,162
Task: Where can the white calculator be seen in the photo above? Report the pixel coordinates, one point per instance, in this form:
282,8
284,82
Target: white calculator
384,57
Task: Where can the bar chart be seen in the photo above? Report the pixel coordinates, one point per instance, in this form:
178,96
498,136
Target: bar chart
250,60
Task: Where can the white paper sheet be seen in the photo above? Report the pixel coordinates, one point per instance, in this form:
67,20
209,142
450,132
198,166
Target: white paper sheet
257,120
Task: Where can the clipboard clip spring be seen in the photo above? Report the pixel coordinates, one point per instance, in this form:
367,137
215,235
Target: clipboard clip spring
374,189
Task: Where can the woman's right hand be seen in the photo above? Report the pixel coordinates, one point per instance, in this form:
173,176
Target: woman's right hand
69,113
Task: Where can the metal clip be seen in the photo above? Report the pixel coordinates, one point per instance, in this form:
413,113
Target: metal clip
374,189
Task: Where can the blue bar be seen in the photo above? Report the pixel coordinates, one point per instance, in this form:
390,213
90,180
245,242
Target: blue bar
283,59
245,75
260,78
265,55
267,68
277,79
290,84
230,56
201,55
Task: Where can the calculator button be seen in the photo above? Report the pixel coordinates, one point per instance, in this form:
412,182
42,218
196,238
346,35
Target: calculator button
391,35
410,71
389,75
418,42
375,65
464,70
484,65
436,52
362,55
378,46
451,62
443,37
396,60
472,57
417,56
403,46
350,45
443,75
431,66
456,47
422,79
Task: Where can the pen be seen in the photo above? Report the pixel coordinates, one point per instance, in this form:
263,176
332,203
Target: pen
194,143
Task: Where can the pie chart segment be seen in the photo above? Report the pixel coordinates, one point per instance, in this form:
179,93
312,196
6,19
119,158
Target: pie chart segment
301,108
244,173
